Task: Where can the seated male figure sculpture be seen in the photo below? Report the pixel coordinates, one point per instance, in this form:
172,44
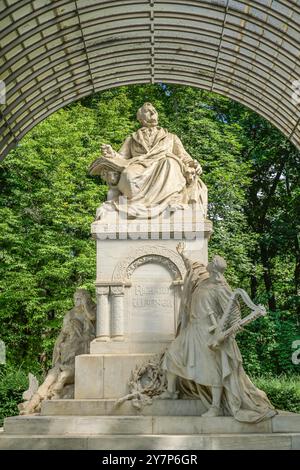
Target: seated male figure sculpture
154,171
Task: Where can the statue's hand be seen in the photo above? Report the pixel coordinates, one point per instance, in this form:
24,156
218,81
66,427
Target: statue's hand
214,345
107,151
180,248
100,212
192,170
216,342
198,167
103,209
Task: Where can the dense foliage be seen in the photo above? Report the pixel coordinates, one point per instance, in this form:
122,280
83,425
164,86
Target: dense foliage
48,201
283,391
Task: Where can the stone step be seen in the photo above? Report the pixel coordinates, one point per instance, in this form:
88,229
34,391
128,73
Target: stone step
84,425
152,442
108,407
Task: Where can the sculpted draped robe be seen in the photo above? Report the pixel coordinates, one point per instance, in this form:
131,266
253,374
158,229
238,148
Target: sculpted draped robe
200,368
153,164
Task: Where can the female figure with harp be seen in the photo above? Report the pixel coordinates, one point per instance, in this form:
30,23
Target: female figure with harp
204,359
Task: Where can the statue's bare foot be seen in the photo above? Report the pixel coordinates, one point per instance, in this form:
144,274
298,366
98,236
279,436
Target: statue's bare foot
168,395
31,406
103,210
213,412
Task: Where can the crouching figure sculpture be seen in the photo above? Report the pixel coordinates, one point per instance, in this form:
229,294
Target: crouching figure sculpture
77,332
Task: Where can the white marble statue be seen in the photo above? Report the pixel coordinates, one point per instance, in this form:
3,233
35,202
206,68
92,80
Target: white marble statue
204,355
152,170
77,332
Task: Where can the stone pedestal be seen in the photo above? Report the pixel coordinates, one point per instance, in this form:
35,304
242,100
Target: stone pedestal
138,287
166,424
105,375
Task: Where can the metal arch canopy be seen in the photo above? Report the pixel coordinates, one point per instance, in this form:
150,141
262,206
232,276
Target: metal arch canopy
54,52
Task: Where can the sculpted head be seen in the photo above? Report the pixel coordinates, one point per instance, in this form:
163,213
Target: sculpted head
81,297
110,176
84,305
217,266
147,115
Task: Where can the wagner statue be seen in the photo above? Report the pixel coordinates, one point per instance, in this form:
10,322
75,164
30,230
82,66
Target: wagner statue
151,172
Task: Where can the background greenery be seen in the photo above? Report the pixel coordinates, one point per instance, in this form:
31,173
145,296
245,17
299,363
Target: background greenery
48,201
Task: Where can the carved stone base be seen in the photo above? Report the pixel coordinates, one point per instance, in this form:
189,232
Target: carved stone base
138,285
106,375
149,432
128,347
107,407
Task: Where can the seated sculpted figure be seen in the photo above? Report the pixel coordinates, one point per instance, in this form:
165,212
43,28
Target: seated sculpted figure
197,364
152,171
77,332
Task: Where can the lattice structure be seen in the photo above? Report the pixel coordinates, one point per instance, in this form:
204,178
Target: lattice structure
55,52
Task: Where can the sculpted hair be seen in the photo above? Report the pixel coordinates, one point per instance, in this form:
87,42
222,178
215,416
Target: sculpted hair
140,111
219,264
89,305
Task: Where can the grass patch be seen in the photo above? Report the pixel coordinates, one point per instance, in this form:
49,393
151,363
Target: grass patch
283,391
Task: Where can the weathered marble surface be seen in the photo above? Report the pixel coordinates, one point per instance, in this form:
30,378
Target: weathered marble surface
149,432
152,171
138,289
105,375
204,360
74,339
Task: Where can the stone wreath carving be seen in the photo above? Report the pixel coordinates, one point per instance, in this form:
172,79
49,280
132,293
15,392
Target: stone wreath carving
146,382
149,254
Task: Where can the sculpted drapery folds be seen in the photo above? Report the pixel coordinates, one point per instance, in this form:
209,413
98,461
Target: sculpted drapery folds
77,332
212,372
152,170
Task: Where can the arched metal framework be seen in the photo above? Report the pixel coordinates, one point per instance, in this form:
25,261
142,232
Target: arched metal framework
55,52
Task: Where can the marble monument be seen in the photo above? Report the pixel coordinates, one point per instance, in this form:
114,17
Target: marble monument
165,317
154,364
155,198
